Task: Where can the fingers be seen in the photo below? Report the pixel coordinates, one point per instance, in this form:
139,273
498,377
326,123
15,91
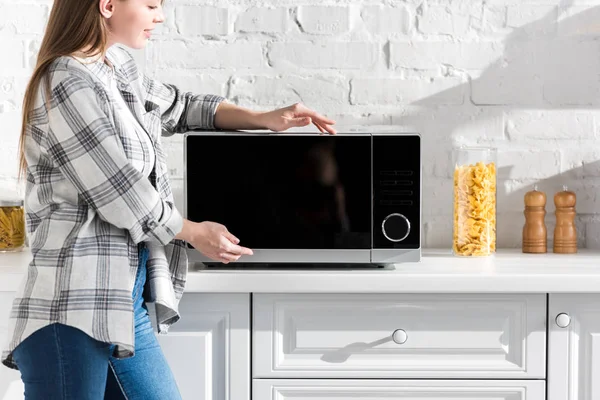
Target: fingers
314,115
321,122
229,247
227,257
235,249
302,121
223,257
231,237
329,129
320,119
234,254
319,127
325,128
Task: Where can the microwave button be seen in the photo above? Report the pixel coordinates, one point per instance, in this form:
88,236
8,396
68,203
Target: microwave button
395,227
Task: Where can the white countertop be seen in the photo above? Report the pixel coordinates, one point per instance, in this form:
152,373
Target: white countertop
508,271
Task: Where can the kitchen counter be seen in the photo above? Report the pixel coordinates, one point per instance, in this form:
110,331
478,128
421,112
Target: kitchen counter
511,325
508,271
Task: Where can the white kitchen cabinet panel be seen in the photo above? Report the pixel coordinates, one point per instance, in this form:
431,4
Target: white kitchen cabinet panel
421,336
11,386
574,347
308,389
208,349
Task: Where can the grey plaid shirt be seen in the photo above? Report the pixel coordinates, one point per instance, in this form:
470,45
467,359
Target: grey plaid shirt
88,208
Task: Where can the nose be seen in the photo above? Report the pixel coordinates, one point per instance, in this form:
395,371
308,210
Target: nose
160,16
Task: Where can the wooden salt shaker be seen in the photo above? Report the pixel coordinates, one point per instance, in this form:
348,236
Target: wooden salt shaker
565,233
535,234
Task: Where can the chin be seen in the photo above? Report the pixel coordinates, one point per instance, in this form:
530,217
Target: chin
137,44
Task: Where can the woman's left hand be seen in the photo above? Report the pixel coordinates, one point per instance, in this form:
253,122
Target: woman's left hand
296,115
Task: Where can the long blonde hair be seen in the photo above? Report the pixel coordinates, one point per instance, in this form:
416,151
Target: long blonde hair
73,25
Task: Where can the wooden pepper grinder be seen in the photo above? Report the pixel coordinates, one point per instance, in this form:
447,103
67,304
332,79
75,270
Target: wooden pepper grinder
565,233
535,234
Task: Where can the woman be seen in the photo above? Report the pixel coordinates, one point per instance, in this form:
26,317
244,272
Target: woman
104,233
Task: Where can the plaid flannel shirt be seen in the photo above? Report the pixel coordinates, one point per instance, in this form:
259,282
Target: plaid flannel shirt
88,209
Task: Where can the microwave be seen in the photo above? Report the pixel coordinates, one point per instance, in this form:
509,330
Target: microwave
350,198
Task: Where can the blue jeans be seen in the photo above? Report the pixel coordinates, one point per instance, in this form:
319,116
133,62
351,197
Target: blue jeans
59,362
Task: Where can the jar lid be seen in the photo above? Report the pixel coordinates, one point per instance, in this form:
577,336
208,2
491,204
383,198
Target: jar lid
11,202
476,148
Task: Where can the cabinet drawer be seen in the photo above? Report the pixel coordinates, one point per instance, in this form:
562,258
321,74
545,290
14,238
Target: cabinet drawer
399,336
271,389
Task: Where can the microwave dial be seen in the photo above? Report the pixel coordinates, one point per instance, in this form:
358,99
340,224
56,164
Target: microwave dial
395,227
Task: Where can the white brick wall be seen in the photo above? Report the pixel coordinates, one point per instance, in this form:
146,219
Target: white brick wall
520,75
263,20
197,21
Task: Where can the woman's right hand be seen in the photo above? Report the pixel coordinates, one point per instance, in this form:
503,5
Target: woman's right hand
213,240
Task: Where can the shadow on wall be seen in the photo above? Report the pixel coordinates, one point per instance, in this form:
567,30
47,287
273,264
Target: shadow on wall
550,64
547,64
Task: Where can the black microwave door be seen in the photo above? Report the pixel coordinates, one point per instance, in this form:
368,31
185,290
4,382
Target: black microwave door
278,191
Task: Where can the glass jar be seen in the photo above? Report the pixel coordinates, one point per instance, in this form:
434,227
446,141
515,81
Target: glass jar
474,201
12,225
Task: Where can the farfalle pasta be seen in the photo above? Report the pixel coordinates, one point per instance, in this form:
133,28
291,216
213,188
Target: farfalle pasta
475,209
12,228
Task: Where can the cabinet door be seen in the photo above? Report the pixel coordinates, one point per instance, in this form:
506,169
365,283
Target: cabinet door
11,386
574,347
208,349
298,389
421,336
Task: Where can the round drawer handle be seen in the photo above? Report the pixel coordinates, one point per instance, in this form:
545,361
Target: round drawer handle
563,320
399,336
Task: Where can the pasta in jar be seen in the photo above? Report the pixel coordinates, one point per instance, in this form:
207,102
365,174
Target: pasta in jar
12,226
475,209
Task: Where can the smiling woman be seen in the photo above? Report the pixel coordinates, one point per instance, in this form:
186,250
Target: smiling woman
106,235
130,22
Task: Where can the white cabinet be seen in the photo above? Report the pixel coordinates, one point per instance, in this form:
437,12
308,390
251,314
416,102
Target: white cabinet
208,349
574,347
490,336
11,386
307,389
408,346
